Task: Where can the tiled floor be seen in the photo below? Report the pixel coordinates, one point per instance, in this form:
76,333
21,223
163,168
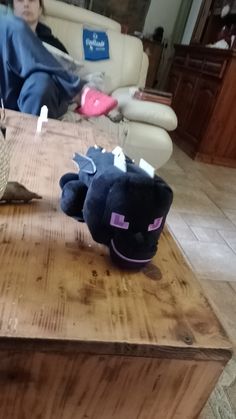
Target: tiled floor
203,221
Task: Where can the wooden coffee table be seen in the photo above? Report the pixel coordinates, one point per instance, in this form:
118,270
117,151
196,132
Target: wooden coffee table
80,338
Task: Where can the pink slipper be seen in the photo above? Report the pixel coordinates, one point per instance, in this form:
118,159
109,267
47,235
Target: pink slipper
95,103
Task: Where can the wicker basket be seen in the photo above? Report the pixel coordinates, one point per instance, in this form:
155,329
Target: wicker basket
4,163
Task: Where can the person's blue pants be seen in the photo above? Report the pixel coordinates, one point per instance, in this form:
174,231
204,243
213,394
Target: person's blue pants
30,76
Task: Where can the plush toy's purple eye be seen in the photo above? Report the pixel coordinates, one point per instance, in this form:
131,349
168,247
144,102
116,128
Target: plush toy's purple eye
156,224
118,220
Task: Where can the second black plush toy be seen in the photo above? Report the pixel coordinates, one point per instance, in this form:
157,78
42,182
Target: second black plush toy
124,208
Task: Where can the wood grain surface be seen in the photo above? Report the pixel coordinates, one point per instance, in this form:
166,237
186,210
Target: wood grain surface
80,338
58,386
57,284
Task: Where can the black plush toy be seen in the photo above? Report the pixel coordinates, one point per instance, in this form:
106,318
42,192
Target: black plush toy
123,206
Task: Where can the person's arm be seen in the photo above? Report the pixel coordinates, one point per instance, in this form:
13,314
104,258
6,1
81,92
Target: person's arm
44,33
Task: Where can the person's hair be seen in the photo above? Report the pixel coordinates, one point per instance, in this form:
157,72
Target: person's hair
41,3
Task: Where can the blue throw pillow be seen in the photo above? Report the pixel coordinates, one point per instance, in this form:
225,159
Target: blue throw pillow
96,45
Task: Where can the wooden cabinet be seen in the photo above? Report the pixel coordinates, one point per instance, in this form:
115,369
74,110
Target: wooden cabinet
219,4
193,92
233,8
174,79
154,51
204,96
202,81
210,23
185,95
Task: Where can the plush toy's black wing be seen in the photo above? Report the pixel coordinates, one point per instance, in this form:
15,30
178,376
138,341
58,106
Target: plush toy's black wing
85,164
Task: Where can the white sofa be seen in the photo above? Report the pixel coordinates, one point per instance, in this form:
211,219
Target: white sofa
143,132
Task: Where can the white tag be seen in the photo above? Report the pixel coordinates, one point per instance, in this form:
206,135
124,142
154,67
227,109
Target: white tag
43,117
44,113
148,168
117,150
119,162
39,125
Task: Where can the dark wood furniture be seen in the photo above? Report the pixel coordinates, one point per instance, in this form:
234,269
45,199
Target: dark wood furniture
209,22
127,12
203,82
79,338
154,52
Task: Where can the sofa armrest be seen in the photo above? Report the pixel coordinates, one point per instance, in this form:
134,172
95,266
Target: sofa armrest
151,143
143,111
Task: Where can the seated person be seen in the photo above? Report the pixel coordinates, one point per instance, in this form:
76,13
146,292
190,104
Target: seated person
30,11
31,77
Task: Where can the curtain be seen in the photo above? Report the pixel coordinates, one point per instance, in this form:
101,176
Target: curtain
181,21
176,38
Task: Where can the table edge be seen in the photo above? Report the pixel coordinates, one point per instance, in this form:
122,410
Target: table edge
16,344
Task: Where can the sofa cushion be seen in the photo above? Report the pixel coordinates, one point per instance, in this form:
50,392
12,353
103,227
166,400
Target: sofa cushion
126,52
71,13
151,113
143,111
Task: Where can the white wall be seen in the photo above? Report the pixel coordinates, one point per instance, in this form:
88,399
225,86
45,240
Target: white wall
162,13
191,21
